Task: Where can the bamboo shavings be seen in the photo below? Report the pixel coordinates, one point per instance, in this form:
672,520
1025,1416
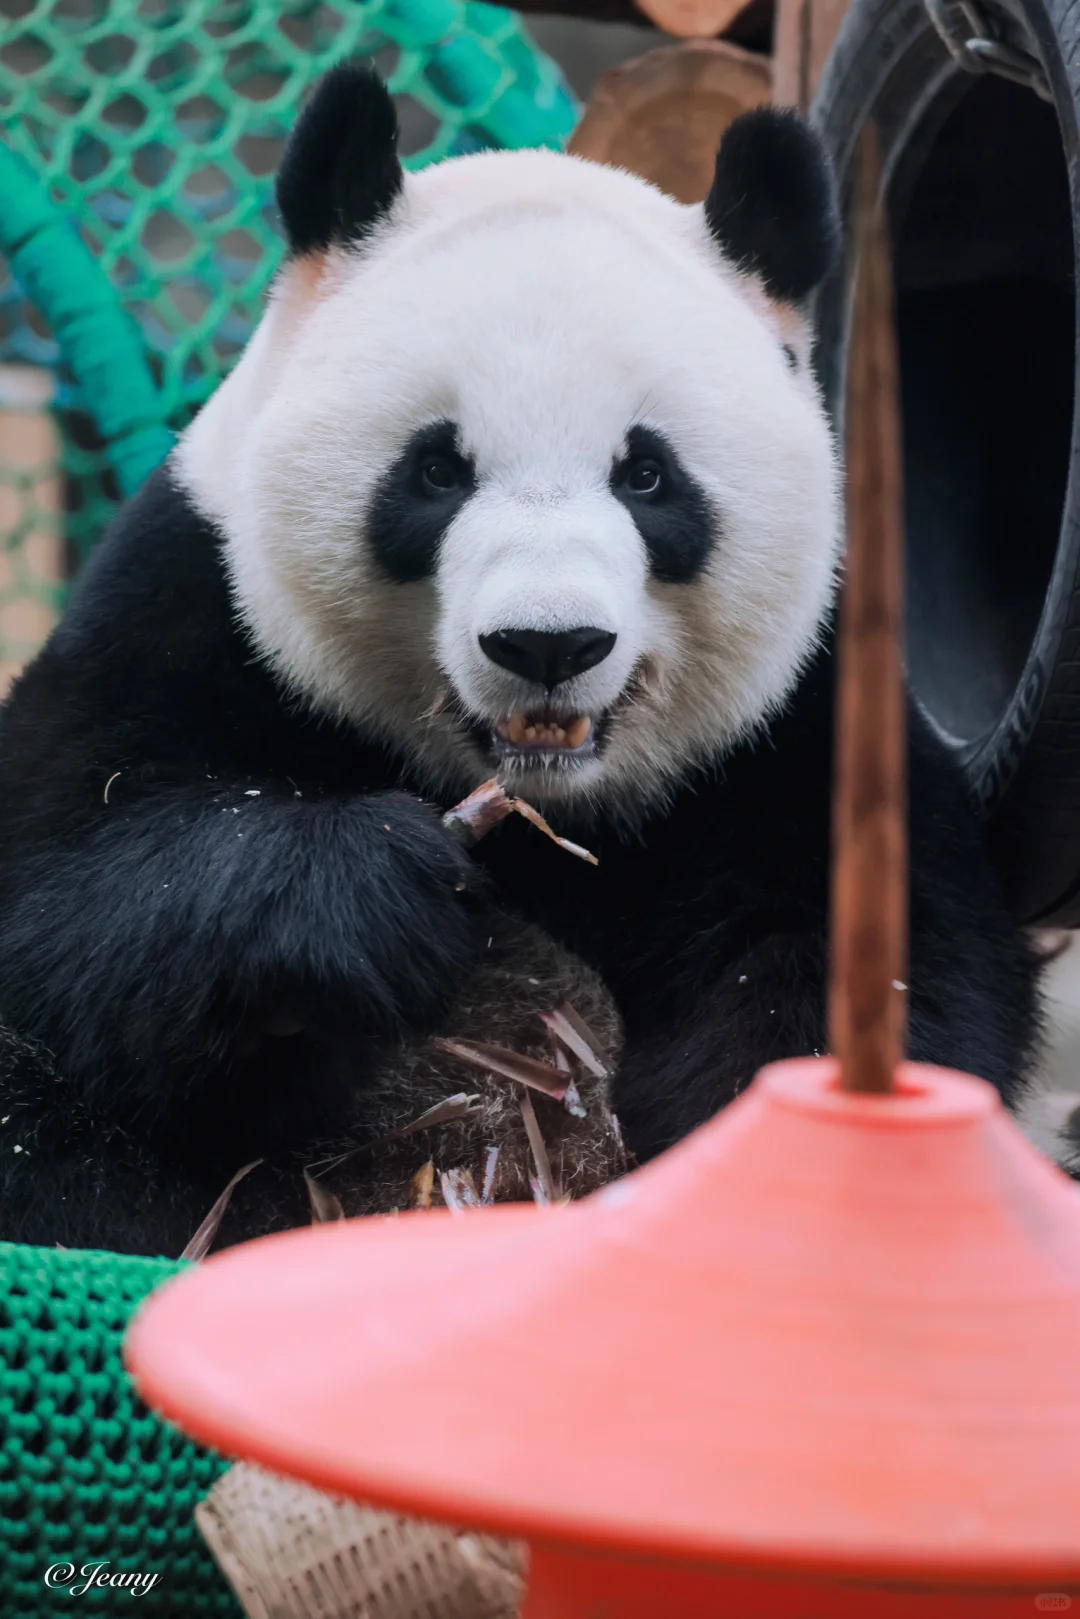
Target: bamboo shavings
491,1169
427,1111
572,1100
448,1111
544,1187
616,1131
574,1033
558,1053
422,1186
458,1190
542,1076
325,1207
458,1106
573,1103
200,1244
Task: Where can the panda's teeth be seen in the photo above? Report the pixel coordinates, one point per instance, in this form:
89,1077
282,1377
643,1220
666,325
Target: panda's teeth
520,731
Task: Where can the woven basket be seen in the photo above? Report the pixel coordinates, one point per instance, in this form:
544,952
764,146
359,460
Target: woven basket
292,1553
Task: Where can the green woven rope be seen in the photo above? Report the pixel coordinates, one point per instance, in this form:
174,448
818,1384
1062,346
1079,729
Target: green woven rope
87,1475
99,341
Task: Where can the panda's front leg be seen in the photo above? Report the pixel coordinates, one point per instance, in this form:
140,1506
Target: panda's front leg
688,1056
971,995
151,950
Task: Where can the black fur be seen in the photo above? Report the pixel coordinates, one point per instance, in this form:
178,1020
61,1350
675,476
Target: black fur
410,514
676,522
773,207
340,172
159,941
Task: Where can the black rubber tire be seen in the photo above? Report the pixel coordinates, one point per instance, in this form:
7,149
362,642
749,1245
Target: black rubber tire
984,219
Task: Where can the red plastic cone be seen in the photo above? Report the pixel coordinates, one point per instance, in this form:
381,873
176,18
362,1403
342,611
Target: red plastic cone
825,1347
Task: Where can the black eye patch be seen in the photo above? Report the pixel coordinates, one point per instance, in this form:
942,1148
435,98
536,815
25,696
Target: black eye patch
669,509
416,500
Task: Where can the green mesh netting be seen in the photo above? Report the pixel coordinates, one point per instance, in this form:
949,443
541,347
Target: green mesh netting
136,175
87,1474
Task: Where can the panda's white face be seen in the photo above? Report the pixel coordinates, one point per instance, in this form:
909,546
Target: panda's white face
528,484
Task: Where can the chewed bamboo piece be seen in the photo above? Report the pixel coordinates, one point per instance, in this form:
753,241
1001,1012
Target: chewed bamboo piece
475,816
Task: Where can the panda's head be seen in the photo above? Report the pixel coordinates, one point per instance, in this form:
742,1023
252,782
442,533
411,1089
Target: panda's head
524,469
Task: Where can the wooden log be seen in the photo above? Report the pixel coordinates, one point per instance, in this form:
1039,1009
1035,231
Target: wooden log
791,54
662,115
31,537
868,997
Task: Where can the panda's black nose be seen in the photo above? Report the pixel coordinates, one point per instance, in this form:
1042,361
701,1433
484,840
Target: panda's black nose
548,656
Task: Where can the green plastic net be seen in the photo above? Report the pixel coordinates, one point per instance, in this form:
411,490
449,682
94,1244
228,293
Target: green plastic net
137,227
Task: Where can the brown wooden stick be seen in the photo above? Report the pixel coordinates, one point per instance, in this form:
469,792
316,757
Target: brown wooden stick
804,33
867,1002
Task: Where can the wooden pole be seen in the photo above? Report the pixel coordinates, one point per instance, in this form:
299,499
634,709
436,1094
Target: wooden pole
791,54
868,999
804,33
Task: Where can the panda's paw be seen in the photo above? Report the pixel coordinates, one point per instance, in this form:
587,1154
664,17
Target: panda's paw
414,905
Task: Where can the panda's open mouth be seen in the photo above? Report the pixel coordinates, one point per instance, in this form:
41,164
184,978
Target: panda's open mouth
545,732
547,735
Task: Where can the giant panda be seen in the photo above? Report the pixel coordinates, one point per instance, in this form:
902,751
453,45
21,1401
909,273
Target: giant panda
524,473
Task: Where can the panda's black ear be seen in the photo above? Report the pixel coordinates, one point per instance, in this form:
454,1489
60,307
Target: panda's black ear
773,206
340,172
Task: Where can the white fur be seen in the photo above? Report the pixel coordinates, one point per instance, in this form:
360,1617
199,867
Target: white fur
545,305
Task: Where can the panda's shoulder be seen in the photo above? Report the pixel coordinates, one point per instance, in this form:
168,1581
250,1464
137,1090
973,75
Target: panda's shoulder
155,589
